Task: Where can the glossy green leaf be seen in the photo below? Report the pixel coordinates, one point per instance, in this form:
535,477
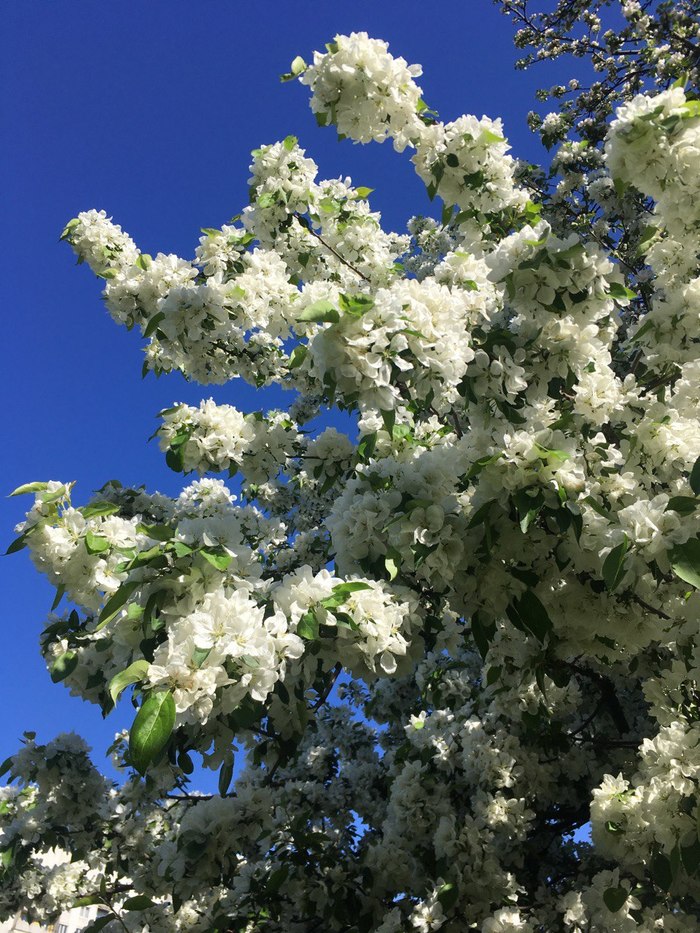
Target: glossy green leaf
614,898
614,565
151,729
133,674
63,666
99,509
684,505
320,312
695,477
138,902
685,561
27,488
225,777
531,614
96,544
218,559
115,602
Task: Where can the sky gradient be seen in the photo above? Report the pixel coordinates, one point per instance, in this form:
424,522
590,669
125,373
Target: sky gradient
149,111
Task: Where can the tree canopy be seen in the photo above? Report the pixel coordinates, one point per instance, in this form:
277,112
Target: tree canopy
422,657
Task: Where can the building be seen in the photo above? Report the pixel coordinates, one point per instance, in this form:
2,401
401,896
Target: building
70,921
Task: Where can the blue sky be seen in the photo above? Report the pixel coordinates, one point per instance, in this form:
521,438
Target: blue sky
149,111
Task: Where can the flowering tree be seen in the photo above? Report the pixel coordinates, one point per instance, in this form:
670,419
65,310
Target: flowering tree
504,565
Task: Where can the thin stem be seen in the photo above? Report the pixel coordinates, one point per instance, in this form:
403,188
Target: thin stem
455,421
329,686
307,226
645,605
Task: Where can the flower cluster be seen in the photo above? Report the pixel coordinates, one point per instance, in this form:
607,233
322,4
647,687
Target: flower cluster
366,92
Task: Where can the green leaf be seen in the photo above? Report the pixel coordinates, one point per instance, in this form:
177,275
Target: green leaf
614,898
96,544
341,592
266,199
690,856
138,902
620,292
644,329
452,160
133,674
685,561
488,136
157,532
69,228
144,261
389,420
392,565
225,777
482,633
88,900
5,766
448,895
529,507
694,478
647,237
290,142
276,879
684,505
474,180
356,304
363,192
152,325
64,665
18,543
481,514
175,458
60,593
320,312
199,656
620,187
115,602
691,108
614,565
99,923
531,614
597,507
151,729
99,509
365,448
217,559
28,487
547,453
308,626
660,871
298,355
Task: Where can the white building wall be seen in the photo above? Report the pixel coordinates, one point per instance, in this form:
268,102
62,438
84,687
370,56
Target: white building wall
70,921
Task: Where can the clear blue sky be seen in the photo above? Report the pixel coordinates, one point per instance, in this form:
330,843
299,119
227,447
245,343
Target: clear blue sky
149,111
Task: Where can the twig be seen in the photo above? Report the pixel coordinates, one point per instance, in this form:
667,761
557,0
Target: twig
645,605
307,226
329,686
